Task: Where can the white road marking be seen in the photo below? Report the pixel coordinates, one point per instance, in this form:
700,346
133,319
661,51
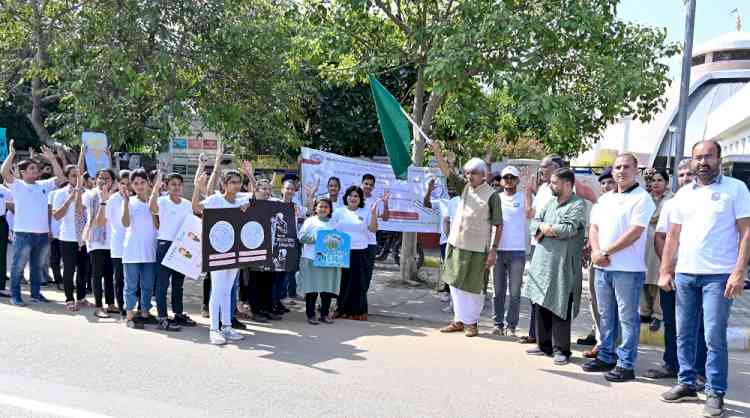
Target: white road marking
47,408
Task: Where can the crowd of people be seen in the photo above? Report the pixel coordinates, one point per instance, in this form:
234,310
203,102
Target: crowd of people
652,257
676,261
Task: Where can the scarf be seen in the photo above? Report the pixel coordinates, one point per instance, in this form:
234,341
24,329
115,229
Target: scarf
95,233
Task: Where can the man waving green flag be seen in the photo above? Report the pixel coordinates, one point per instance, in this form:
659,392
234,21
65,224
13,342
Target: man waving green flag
394,126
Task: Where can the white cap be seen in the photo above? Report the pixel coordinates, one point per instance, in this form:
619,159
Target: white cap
509,169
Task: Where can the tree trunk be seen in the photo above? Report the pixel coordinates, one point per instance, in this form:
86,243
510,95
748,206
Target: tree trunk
409,266
38,91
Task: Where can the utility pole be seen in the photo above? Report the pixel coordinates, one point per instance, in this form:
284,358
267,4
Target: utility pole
687,58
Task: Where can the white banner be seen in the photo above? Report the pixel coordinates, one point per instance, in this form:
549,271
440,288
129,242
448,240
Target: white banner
185,255
407,214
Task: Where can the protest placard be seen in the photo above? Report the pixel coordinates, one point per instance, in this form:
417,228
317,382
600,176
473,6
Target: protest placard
332,249
96,151
184,255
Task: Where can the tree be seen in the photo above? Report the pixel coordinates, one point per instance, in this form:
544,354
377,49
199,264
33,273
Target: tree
570,67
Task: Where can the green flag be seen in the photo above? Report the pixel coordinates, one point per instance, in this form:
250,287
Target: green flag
394,127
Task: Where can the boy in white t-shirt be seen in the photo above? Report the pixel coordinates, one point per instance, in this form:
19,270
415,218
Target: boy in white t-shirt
172,210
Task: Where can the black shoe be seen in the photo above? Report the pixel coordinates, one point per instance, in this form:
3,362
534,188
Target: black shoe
620,375
589,340
597,365
184,320
654,325
714,406
645,319
325,320
282,308
270,316
151,320
537,352
135,323
236,324
168,325
700,384
312,321
661,373
679,393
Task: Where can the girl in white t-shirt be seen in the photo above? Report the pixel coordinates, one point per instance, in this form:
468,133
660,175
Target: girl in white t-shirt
222,281
356,221
96,235
139,249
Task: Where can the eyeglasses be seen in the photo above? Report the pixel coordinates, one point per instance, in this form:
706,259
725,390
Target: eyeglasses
509,177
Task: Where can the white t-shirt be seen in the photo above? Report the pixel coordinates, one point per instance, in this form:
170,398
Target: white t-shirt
515,224
613,214
709,239
140,237
312,223
68,221
353,223
448,208
88,200
171,216
31,202
116,230
54,224
5,196
666,218
217,201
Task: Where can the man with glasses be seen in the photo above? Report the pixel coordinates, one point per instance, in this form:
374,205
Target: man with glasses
511,253
711,229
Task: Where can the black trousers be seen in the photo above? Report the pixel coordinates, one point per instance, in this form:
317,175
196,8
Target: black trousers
261,291
75,262
55,260
244,288
119,274
3,252
553,332
102,271
325,303
206,290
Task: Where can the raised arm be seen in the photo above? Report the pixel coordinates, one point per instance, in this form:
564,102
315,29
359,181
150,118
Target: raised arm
442,164
7,167
82,159
101,214
249,172
215,174
125,208
153,201
427,199
200,184
56,168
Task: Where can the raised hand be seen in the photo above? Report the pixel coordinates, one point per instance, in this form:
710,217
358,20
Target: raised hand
247,168
47,153
158,180
219,153
200,183
386,196
124,192
12,147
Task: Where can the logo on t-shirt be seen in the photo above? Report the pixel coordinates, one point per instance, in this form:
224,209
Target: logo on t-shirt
516,204
715,196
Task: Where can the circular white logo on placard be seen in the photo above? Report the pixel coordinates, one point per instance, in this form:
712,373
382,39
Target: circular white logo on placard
221,236
252,235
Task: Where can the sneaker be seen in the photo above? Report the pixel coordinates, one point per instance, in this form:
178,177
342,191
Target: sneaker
561,360
237,324
4,294
498,331
259,319
714,406
166,325
679,393
620,375
448,309
38,299
445,297
661,373
184,320
230,334
587,340
216,337
655,325
324,320
135,323
150,319
312,321
597,365
17,302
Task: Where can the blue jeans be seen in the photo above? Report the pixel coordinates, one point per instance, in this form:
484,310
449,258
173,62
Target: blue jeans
234,294
145,274
163,276
618,294
690,289
32,249
668,306
508,269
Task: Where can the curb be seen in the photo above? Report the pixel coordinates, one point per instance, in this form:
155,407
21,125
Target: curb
738,338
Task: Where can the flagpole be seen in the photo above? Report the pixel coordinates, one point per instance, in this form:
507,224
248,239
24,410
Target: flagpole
424,135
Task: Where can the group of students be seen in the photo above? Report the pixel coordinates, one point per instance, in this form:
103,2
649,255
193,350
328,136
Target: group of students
112,236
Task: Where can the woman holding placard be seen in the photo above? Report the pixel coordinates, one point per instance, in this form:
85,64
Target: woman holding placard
356,221
317,280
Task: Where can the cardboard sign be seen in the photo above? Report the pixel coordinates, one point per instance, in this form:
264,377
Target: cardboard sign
332,249
184,255
264,238
96,151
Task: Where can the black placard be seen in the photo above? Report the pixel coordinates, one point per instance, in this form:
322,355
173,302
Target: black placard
264,237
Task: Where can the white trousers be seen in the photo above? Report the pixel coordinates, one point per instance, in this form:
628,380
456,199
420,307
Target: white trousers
220,302
467,306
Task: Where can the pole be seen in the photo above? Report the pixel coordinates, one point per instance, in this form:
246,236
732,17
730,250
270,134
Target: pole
421,132
687,55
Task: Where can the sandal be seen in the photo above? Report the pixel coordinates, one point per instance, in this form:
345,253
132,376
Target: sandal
453,327
100,313
71,306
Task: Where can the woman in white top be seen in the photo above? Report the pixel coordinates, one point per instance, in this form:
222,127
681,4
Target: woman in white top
139,249
356,221
97,238
334,189
113,215
222,281
67,207
325,281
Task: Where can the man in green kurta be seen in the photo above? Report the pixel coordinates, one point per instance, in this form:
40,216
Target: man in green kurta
554,280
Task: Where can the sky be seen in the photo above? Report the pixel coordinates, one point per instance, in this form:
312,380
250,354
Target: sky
712,18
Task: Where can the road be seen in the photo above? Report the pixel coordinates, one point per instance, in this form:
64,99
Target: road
57,364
